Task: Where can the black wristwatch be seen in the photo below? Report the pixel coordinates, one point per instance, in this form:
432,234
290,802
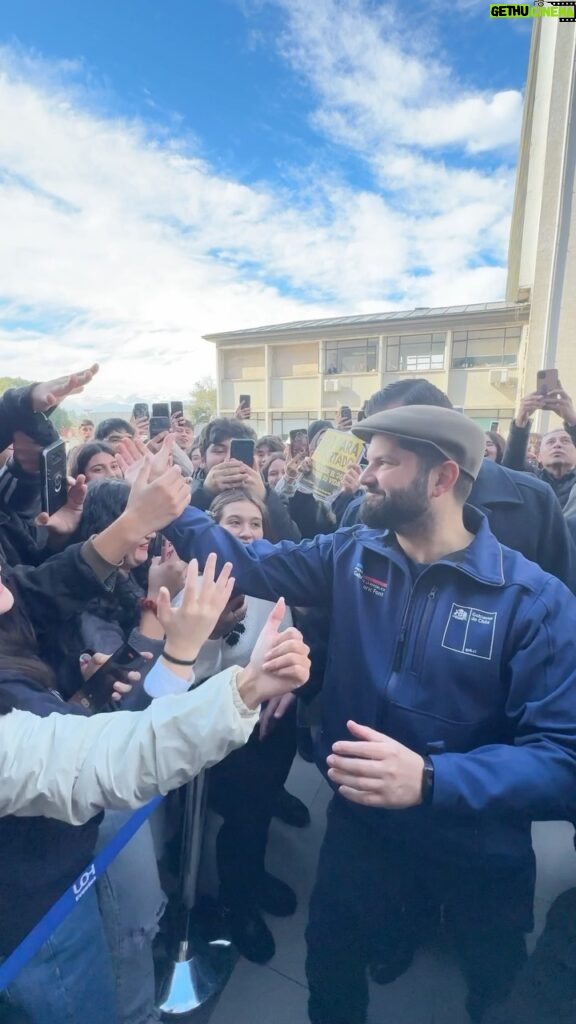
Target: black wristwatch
427,791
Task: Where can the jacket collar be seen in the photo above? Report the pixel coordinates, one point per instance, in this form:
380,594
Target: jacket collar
483,560
494,485
567,480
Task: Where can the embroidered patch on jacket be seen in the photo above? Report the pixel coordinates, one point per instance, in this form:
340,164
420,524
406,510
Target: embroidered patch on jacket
369,583
470,631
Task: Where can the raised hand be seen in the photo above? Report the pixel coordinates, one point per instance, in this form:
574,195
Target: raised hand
169,573
50,393
66,520
188,626
351,478
242,413
224,476
89,664
156,500
131,453
280,661
528,406
294,466
252,481
560,402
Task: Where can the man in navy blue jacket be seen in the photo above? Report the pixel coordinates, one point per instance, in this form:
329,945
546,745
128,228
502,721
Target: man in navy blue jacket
448,709
522,510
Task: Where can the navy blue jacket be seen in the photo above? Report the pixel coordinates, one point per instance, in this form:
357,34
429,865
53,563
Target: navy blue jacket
474,663
523,513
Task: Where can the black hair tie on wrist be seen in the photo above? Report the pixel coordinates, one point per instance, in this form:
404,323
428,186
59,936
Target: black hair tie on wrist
177,661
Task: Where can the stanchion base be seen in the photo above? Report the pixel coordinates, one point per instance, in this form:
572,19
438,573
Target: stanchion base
190,983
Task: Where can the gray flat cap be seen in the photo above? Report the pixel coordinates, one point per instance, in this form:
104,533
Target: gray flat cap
450,432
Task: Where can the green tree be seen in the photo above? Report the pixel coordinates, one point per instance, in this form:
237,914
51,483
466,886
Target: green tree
202,404
12,382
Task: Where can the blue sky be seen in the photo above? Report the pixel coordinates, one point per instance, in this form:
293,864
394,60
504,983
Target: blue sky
169,169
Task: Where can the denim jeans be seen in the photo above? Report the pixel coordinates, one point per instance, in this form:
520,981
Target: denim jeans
131,902
70,979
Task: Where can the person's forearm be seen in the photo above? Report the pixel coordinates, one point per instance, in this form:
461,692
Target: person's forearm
150,627
269,571
516,447
116,540
246,686
69,767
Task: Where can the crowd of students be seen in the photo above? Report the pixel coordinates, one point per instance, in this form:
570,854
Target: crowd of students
419,622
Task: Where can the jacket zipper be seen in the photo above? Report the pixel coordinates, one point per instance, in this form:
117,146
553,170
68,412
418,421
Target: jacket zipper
401,641
424,623
423,629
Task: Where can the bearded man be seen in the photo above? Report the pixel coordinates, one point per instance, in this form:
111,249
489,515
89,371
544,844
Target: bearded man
448,699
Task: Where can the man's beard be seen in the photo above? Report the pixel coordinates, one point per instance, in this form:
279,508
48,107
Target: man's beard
398,510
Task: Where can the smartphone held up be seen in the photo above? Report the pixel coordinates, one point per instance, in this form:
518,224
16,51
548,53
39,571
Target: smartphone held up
242,449
97,691
547,382
53,479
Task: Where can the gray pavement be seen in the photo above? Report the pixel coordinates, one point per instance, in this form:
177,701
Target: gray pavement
431,992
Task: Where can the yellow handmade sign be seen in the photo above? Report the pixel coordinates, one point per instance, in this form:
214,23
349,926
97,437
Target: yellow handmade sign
331,460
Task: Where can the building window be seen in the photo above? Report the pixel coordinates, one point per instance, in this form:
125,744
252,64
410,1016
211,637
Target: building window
284,422
294,360
498,347
243,363
415,353
356,356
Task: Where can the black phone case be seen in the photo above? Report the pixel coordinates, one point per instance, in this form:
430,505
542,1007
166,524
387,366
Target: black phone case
53,477
243,450
98,689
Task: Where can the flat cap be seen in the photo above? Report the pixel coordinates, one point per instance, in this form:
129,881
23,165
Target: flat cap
450,432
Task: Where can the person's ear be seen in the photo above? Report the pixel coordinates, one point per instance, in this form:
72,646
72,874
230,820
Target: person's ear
443,478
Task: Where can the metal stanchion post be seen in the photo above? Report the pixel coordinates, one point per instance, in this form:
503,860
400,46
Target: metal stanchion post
197,970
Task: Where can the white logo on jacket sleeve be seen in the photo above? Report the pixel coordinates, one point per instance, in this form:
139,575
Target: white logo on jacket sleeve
470,631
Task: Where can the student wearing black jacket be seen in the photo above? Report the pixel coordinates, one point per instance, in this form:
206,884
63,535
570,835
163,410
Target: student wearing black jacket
220,473
25,423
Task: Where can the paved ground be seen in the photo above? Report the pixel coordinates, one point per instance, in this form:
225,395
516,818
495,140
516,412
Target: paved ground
431,992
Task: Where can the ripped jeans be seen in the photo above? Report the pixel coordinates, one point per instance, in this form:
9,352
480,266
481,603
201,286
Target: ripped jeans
131,903
70,979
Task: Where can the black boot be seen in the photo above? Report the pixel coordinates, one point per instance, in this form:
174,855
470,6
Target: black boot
250,934
275,897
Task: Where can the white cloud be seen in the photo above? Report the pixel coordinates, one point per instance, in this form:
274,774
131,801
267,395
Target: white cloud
120,243
381,82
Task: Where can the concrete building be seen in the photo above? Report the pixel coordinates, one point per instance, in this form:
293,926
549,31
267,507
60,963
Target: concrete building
484,356
299,372
542,252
